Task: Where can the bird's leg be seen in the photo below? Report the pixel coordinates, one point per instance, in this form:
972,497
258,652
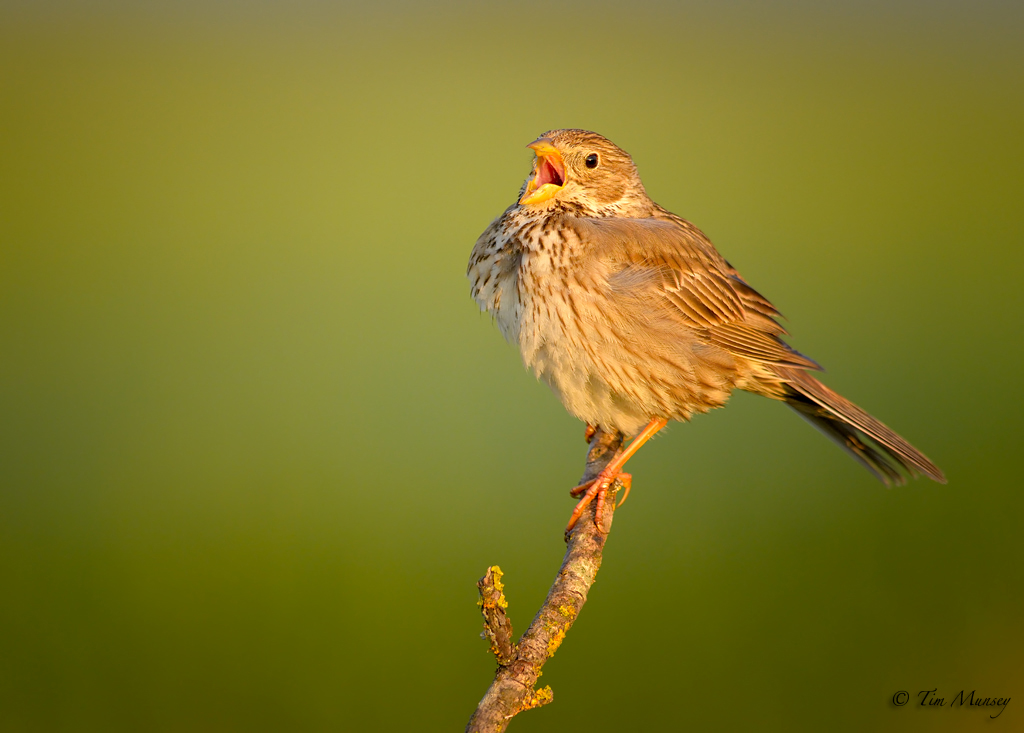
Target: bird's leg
589,433
598,488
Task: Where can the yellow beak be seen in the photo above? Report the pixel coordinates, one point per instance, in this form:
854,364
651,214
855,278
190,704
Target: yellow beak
549,173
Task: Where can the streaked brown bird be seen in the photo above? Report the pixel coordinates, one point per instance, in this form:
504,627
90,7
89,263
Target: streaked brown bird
633,318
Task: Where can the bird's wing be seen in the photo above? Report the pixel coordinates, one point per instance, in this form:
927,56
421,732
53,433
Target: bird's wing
673,267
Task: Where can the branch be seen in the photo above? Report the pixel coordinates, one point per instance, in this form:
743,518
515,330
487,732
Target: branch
519,666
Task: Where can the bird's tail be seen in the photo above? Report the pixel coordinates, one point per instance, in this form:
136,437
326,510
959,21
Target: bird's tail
872,444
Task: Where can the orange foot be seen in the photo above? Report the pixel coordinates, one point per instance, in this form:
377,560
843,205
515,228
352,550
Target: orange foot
589,433
598,487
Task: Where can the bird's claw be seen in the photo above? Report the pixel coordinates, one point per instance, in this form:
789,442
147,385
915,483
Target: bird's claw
626,479
597,488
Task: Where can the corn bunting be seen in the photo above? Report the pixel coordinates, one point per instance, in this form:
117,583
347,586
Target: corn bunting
633,318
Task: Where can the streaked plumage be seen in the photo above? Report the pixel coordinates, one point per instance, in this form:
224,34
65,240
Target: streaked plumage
629,313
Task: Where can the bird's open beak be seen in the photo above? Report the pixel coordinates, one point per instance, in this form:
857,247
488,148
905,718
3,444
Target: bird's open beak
549,173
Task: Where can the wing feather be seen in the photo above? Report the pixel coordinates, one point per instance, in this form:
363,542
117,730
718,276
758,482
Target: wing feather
673,264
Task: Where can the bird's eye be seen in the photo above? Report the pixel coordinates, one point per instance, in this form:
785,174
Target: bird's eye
591,160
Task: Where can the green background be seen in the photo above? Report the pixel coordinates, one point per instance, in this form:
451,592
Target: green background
257,444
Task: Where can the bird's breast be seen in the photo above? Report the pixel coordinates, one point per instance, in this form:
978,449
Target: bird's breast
544,286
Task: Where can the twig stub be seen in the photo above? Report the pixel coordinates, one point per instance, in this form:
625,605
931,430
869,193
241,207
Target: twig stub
497,626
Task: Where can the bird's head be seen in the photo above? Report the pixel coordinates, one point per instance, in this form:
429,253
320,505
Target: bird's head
584,171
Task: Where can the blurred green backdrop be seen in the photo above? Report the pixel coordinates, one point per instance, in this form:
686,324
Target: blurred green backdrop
257,445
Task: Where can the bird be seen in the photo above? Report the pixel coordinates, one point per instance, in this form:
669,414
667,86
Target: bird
633,319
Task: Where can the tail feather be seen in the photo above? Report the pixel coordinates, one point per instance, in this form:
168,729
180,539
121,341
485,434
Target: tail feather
869,442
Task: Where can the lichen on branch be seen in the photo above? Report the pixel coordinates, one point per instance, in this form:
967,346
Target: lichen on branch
497,626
